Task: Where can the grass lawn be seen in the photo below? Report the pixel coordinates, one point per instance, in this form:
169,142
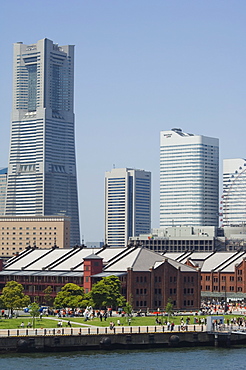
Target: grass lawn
15,323
135,321
140,321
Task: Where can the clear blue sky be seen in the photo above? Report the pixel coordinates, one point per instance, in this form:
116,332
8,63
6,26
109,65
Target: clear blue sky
141,67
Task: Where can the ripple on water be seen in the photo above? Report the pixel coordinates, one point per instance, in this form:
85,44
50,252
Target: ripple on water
185,358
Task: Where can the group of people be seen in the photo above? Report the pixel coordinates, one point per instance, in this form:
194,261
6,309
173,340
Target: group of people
22,325
216,307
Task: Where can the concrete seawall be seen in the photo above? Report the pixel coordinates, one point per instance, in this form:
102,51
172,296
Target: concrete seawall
56,343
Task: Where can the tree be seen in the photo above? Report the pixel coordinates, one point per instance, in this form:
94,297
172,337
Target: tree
71,295
13,296
48,299
169,307
106,293
34,312
128,309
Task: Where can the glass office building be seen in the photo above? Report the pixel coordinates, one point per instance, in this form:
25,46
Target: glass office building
189,179
42,167
127,205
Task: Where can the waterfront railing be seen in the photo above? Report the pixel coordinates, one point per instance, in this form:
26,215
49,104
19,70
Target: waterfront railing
95,330
92,330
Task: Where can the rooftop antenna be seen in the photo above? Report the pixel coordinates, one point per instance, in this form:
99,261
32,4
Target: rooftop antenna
113,166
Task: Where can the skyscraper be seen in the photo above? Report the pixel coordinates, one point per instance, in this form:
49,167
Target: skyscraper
42,166
127,205
189,179
234,192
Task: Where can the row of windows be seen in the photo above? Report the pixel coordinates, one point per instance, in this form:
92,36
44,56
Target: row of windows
27,233
141,291
223,288
141,279
28,228
223,278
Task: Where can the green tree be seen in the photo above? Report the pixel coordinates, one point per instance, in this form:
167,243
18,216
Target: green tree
169,307
13,296
71,295
34,312
106,293
48,299
128,309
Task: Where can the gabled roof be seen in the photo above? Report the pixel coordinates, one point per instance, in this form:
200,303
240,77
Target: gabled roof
142,259
177,265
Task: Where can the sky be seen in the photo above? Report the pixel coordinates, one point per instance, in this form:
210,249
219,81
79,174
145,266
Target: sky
141,66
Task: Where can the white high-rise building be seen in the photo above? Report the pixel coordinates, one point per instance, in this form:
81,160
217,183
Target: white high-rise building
42,167
234,192
189,179
127,205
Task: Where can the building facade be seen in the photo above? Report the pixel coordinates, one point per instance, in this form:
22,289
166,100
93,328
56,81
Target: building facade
17,233
189,179
147,279
127,205
42,177
234,192
3,188
182,239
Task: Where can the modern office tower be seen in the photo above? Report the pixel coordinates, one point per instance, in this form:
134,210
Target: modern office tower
127,205
42,167
3,187
234,192
189,179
